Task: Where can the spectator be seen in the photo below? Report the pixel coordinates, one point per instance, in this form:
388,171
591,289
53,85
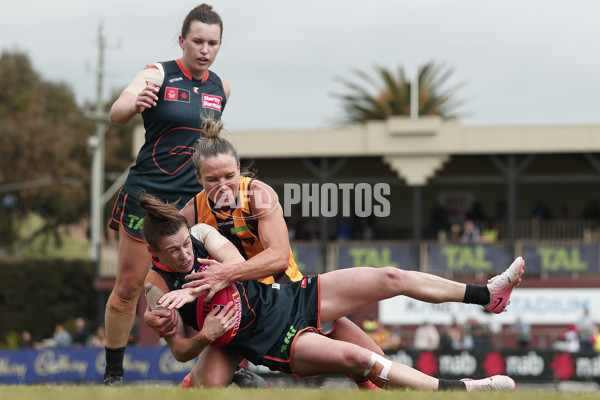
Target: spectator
455,233
596,339
97,339
62,338
27,341
585,328
345,229
471,232
540,211
523,332
426,337
463,338
568,341
81,333
385,338
495,328
449,333
480,334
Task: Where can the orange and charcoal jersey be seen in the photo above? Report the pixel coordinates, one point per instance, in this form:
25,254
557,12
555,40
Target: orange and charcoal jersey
241,228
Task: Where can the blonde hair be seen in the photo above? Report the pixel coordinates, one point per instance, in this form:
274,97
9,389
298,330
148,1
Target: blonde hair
212,145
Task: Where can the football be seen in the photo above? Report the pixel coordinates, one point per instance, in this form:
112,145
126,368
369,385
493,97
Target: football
220,299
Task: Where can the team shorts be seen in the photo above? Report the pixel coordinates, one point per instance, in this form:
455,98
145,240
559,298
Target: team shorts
306,318
128,213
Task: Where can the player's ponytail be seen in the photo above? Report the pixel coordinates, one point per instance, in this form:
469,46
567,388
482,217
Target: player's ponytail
162,219
212,144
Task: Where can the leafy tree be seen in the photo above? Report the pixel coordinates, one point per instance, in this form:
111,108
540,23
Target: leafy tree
44,158
388,93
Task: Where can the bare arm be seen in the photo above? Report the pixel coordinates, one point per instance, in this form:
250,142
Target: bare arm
129,104
273,235
189,211
138,96
217,322
226,88
229,267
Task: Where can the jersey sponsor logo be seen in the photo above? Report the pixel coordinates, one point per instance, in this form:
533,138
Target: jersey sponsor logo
179,78
211,101
238,229
224,224
289,336
176,94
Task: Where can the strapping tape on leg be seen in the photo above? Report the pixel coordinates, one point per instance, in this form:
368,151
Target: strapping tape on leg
121,305
378,370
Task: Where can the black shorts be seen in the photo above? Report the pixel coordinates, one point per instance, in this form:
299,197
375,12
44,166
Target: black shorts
128,213
306,318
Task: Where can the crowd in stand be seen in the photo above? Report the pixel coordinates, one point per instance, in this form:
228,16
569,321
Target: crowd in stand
63,338
474,335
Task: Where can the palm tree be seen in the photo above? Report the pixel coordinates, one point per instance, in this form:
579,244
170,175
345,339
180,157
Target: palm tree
391,94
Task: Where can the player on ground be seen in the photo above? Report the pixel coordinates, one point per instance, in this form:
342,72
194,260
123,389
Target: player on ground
280,325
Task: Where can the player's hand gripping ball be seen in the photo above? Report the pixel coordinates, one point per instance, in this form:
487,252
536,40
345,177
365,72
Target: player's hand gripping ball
220,299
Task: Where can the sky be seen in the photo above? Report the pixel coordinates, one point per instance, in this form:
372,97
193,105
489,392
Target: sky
521,61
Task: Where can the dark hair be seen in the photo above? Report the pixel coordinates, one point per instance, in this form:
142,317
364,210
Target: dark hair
212,144
162,219
203,13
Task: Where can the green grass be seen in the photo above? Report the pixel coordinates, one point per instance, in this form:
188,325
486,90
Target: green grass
64,392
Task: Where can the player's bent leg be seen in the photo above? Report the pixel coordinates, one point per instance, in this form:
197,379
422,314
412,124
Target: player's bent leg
315,354
215,368
347,331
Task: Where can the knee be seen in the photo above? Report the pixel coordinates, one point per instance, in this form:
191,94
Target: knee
128,288
357,362
207,380
378,370
121,305
398,277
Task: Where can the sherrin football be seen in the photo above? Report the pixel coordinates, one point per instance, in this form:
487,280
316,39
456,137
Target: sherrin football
220,299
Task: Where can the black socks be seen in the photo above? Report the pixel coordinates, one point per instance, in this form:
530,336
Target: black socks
477,294
448,384
114,360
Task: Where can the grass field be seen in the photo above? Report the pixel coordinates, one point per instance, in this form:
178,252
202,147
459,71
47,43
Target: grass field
64,392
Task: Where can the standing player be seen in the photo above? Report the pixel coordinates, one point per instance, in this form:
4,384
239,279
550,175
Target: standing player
173,98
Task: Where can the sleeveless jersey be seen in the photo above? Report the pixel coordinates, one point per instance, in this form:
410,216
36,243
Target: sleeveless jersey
164,164
175,280
266,314
241,228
